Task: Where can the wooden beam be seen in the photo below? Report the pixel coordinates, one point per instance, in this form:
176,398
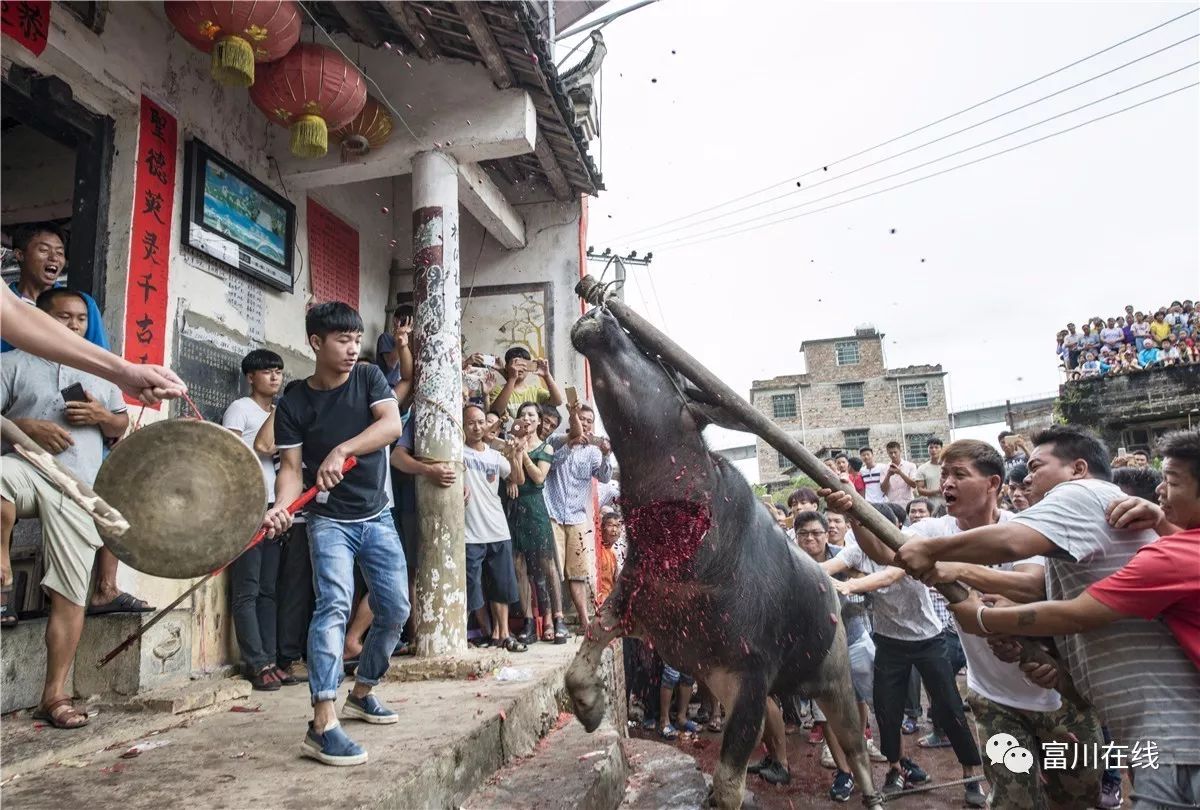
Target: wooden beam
487,203
359,24
412,27
478,28
554,172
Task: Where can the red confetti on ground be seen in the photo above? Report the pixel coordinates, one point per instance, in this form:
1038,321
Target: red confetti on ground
114,768
503,716
245,709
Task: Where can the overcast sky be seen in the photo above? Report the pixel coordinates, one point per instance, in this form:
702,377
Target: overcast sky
704,101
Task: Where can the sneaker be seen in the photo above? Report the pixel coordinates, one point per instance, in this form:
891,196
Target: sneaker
913,773
974,796
756,767
873,751
817,735
297,670
265,680
775,774
893,783
827,758
1110,794
843,786
368,709
934,739
909,726
332,747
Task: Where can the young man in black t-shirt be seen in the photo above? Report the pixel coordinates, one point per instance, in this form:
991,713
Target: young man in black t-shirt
344,409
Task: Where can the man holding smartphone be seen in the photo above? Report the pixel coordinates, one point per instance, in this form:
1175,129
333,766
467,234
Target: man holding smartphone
69,413
522,386
393,352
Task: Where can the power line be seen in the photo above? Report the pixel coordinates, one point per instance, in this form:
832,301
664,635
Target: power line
911,149
956,153
658,302
943,171
825,166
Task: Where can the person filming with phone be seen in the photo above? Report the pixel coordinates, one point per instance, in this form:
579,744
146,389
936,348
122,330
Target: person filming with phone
525,380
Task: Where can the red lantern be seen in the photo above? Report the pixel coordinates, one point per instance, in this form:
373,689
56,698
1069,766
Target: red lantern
311,90
237,34
370,129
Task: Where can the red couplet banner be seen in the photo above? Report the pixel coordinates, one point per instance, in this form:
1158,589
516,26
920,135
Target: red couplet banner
150,245
332,256
26,22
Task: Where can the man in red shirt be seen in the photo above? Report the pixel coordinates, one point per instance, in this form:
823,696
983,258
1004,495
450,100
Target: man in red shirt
1161,579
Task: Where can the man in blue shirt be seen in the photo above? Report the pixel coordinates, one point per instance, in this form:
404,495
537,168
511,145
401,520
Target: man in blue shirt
41,250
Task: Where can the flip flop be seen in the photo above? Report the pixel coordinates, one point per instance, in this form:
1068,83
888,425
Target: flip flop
121,603
63,719
511,645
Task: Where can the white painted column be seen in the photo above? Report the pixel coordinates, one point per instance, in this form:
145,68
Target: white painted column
440,601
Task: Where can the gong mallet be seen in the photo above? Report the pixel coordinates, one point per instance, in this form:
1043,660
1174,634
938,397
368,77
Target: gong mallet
294,507
718,394
106,517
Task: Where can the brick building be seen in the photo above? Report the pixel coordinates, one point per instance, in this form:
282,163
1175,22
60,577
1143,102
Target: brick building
849,399
1134,410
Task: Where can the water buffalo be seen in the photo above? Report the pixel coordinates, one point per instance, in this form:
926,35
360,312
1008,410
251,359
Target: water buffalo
710,581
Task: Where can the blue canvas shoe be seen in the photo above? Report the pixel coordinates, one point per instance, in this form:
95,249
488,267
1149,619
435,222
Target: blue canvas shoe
368,709
332,747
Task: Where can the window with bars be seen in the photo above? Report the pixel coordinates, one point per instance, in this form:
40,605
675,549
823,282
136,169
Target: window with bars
918,450
915,395
783,406
856,439
847,353
784,463
851,395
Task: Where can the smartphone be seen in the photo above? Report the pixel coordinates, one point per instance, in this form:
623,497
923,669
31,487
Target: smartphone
74,393
487,360
1120,451
572,395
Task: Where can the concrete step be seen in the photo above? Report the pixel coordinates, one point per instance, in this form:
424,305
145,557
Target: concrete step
569,768
662,778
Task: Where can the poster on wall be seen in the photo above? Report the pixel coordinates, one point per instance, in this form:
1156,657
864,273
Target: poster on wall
150,245
26,23
332,257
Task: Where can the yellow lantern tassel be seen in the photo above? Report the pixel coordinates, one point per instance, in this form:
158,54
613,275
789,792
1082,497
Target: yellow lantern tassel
233,62
310,137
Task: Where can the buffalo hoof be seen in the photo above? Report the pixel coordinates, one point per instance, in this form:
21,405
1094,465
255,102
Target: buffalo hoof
587,698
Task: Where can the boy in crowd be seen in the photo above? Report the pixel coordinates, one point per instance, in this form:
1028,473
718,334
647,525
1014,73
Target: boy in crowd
253,575
31,395
344,409
611,529
520,388
872,476
929,476
393,351
489,542
1069,524
900,476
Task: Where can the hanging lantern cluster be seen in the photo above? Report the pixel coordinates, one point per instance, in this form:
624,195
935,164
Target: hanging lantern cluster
311,91
237,34
368,130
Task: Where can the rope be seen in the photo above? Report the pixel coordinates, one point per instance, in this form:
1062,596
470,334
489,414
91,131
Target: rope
138,423
925,788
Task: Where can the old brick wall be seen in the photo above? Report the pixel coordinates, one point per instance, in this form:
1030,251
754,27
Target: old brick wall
1109,405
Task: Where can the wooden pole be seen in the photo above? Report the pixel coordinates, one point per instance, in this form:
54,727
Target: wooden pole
108,520
721,395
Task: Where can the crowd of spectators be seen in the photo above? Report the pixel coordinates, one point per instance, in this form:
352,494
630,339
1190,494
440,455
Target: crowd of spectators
1132,342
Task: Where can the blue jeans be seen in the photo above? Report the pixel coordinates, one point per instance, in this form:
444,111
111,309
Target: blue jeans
334,547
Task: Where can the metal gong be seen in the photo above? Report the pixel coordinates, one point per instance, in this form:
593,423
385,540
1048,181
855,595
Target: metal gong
193,495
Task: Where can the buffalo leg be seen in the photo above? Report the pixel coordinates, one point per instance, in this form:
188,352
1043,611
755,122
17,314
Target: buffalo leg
745,702
582,679
835,696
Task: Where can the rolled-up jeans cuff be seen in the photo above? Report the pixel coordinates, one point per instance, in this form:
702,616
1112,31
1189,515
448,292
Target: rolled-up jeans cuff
322,696
367,681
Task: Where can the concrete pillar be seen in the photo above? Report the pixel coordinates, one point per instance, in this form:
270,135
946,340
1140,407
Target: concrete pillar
440,603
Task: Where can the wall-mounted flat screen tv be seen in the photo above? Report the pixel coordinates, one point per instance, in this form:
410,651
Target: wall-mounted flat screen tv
235,219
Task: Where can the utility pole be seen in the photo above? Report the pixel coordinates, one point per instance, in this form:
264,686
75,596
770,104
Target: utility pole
607,256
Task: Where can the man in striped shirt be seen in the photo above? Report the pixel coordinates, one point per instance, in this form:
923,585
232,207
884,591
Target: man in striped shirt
1133,671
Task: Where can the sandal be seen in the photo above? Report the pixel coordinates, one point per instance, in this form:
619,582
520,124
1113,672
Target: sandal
561,633
121,603
715,725
61,713
8,611
668,732
510,644
481,643
688,727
